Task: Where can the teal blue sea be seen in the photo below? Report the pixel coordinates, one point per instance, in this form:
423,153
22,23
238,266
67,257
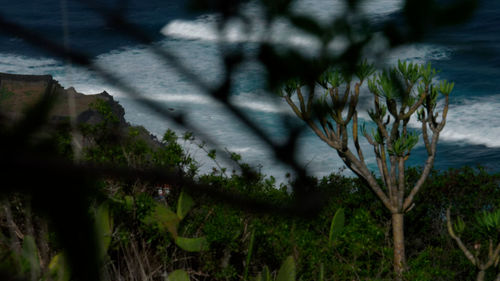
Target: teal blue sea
468,54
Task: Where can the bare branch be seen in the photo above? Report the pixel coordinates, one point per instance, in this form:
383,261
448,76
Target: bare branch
352,104
334,95
362,171
344,137
385,174
294,107
332,140
401,183
355,136
494,256
461,245
346,94
301,101
425,136
381,171
425,173
393,161
379,123
310,99
328,129
369,139
445,113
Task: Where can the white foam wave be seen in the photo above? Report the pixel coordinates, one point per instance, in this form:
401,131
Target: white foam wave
12,63
245,149
326,10
182,98
207,27
261,102
474,121
281,31
263,107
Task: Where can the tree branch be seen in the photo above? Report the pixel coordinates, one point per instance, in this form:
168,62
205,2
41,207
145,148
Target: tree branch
387,179
445,113
461,245
355,136
492,258
362,171
401,183
301,101
414,107
294,107
425,173
425,136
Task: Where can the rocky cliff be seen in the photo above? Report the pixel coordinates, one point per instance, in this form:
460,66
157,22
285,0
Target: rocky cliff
19,92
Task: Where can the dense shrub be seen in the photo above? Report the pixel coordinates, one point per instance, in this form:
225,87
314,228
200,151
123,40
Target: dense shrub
363,251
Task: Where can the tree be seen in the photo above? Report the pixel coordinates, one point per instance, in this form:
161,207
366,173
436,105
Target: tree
398,94
489,224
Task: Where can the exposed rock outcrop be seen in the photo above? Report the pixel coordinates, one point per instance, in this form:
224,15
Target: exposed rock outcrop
20,92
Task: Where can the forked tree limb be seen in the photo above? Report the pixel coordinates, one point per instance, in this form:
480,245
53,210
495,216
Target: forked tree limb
493,255
457,239
425,173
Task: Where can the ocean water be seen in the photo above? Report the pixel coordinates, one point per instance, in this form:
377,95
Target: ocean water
468,54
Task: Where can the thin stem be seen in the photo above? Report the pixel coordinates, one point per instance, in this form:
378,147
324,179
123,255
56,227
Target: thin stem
461,245
294,107
401,183
355,136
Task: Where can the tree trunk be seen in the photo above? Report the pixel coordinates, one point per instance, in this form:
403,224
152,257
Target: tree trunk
480,275
399,245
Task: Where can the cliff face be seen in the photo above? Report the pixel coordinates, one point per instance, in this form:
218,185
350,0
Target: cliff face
19,92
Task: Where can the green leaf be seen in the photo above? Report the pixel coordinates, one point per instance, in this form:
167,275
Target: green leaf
459,225
129,202
164,218
104,227
287,270
364,70
58,268
192,244
445,87
409,71
489,220
184,205
266,275
332,77
249,255
386,85
291,86
321,272
29,255
212,153
336,226
404,144
372,86
178,275
377,136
